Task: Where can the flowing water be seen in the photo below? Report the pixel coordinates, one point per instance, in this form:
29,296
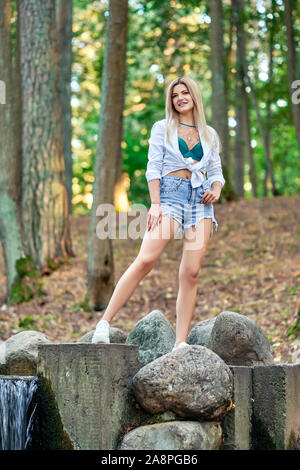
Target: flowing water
16,411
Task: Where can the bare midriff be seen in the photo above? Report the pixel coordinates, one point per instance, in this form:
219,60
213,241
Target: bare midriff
183,173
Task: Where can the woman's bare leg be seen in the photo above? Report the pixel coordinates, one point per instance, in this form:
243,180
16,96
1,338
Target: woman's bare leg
194,247
152,246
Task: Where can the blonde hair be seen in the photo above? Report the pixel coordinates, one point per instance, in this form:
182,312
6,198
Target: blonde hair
172,116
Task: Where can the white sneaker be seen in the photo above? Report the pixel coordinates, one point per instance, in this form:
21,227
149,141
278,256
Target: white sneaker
101,333
180,345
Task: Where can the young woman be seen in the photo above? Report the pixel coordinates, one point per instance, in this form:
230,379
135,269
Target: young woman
182,148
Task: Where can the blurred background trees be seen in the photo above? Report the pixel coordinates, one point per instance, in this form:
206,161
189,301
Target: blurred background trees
55,143
168,39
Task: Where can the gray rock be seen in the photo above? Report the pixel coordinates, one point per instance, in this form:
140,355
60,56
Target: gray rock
193,382
154,335
201,333
239,341
174,435
21,352
2,358
115,336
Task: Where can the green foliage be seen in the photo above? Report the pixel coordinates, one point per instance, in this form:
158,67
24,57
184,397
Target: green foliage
166,40
85,304
27,323
235,309
294,331
295,290
76,307
51,264
27,284
26,268
82,305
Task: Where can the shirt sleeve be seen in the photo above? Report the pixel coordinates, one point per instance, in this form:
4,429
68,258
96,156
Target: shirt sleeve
155,152
214,169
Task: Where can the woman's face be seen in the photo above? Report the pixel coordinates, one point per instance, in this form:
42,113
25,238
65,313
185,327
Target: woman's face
182,99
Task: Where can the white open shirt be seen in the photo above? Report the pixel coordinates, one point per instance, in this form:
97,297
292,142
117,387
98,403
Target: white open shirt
164,157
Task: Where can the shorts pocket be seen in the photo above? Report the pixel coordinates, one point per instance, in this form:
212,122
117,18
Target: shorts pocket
169,186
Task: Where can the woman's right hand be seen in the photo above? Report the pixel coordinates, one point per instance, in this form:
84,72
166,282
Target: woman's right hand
154,216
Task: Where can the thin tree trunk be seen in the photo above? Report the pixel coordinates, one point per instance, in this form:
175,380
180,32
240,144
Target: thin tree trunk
64,26
259,118
100,253
219,97
252,175
44,196
270,171
219,102
246,116
239,146
292,60
10,155
262,130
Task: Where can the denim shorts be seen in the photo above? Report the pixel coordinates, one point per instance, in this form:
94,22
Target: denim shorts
182,202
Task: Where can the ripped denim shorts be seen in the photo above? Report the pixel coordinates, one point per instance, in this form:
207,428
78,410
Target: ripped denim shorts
182,202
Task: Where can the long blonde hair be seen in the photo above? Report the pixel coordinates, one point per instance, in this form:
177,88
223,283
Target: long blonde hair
172,116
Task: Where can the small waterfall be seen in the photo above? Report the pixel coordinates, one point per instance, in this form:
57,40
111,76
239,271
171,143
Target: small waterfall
16,411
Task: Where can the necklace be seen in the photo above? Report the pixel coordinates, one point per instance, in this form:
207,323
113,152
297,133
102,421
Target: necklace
186,124
182,123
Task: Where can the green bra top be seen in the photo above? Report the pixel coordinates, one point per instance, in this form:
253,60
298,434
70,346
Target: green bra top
196,152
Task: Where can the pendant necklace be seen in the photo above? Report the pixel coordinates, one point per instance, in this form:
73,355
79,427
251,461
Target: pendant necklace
189,138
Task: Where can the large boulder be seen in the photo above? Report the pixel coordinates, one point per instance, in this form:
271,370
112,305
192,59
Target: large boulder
174,435
154,335
201,333
115,336
239,341
21,352
193,382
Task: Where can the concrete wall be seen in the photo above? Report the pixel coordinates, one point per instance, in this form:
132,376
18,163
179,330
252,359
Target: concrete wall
86,401
276,407
267,408
237,428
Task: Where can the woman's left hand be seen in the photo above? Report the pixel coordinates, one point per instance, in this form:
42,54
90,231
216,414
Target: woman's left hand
209,197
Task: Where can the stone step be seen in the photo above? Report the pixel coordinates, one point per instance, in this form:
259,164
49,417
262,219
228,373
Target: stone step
266,415
85,400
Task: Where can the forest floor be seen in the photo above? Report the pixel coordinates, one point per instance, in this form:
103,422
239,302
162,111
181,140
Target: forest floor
251,266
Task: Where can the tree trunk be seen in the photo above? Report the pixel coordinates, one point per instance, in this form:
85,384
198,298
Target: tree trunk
219,97
270,100
100,253
239,146
246,116
264,130
292,60
64,27
44,196
261,127
10,155
252,175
